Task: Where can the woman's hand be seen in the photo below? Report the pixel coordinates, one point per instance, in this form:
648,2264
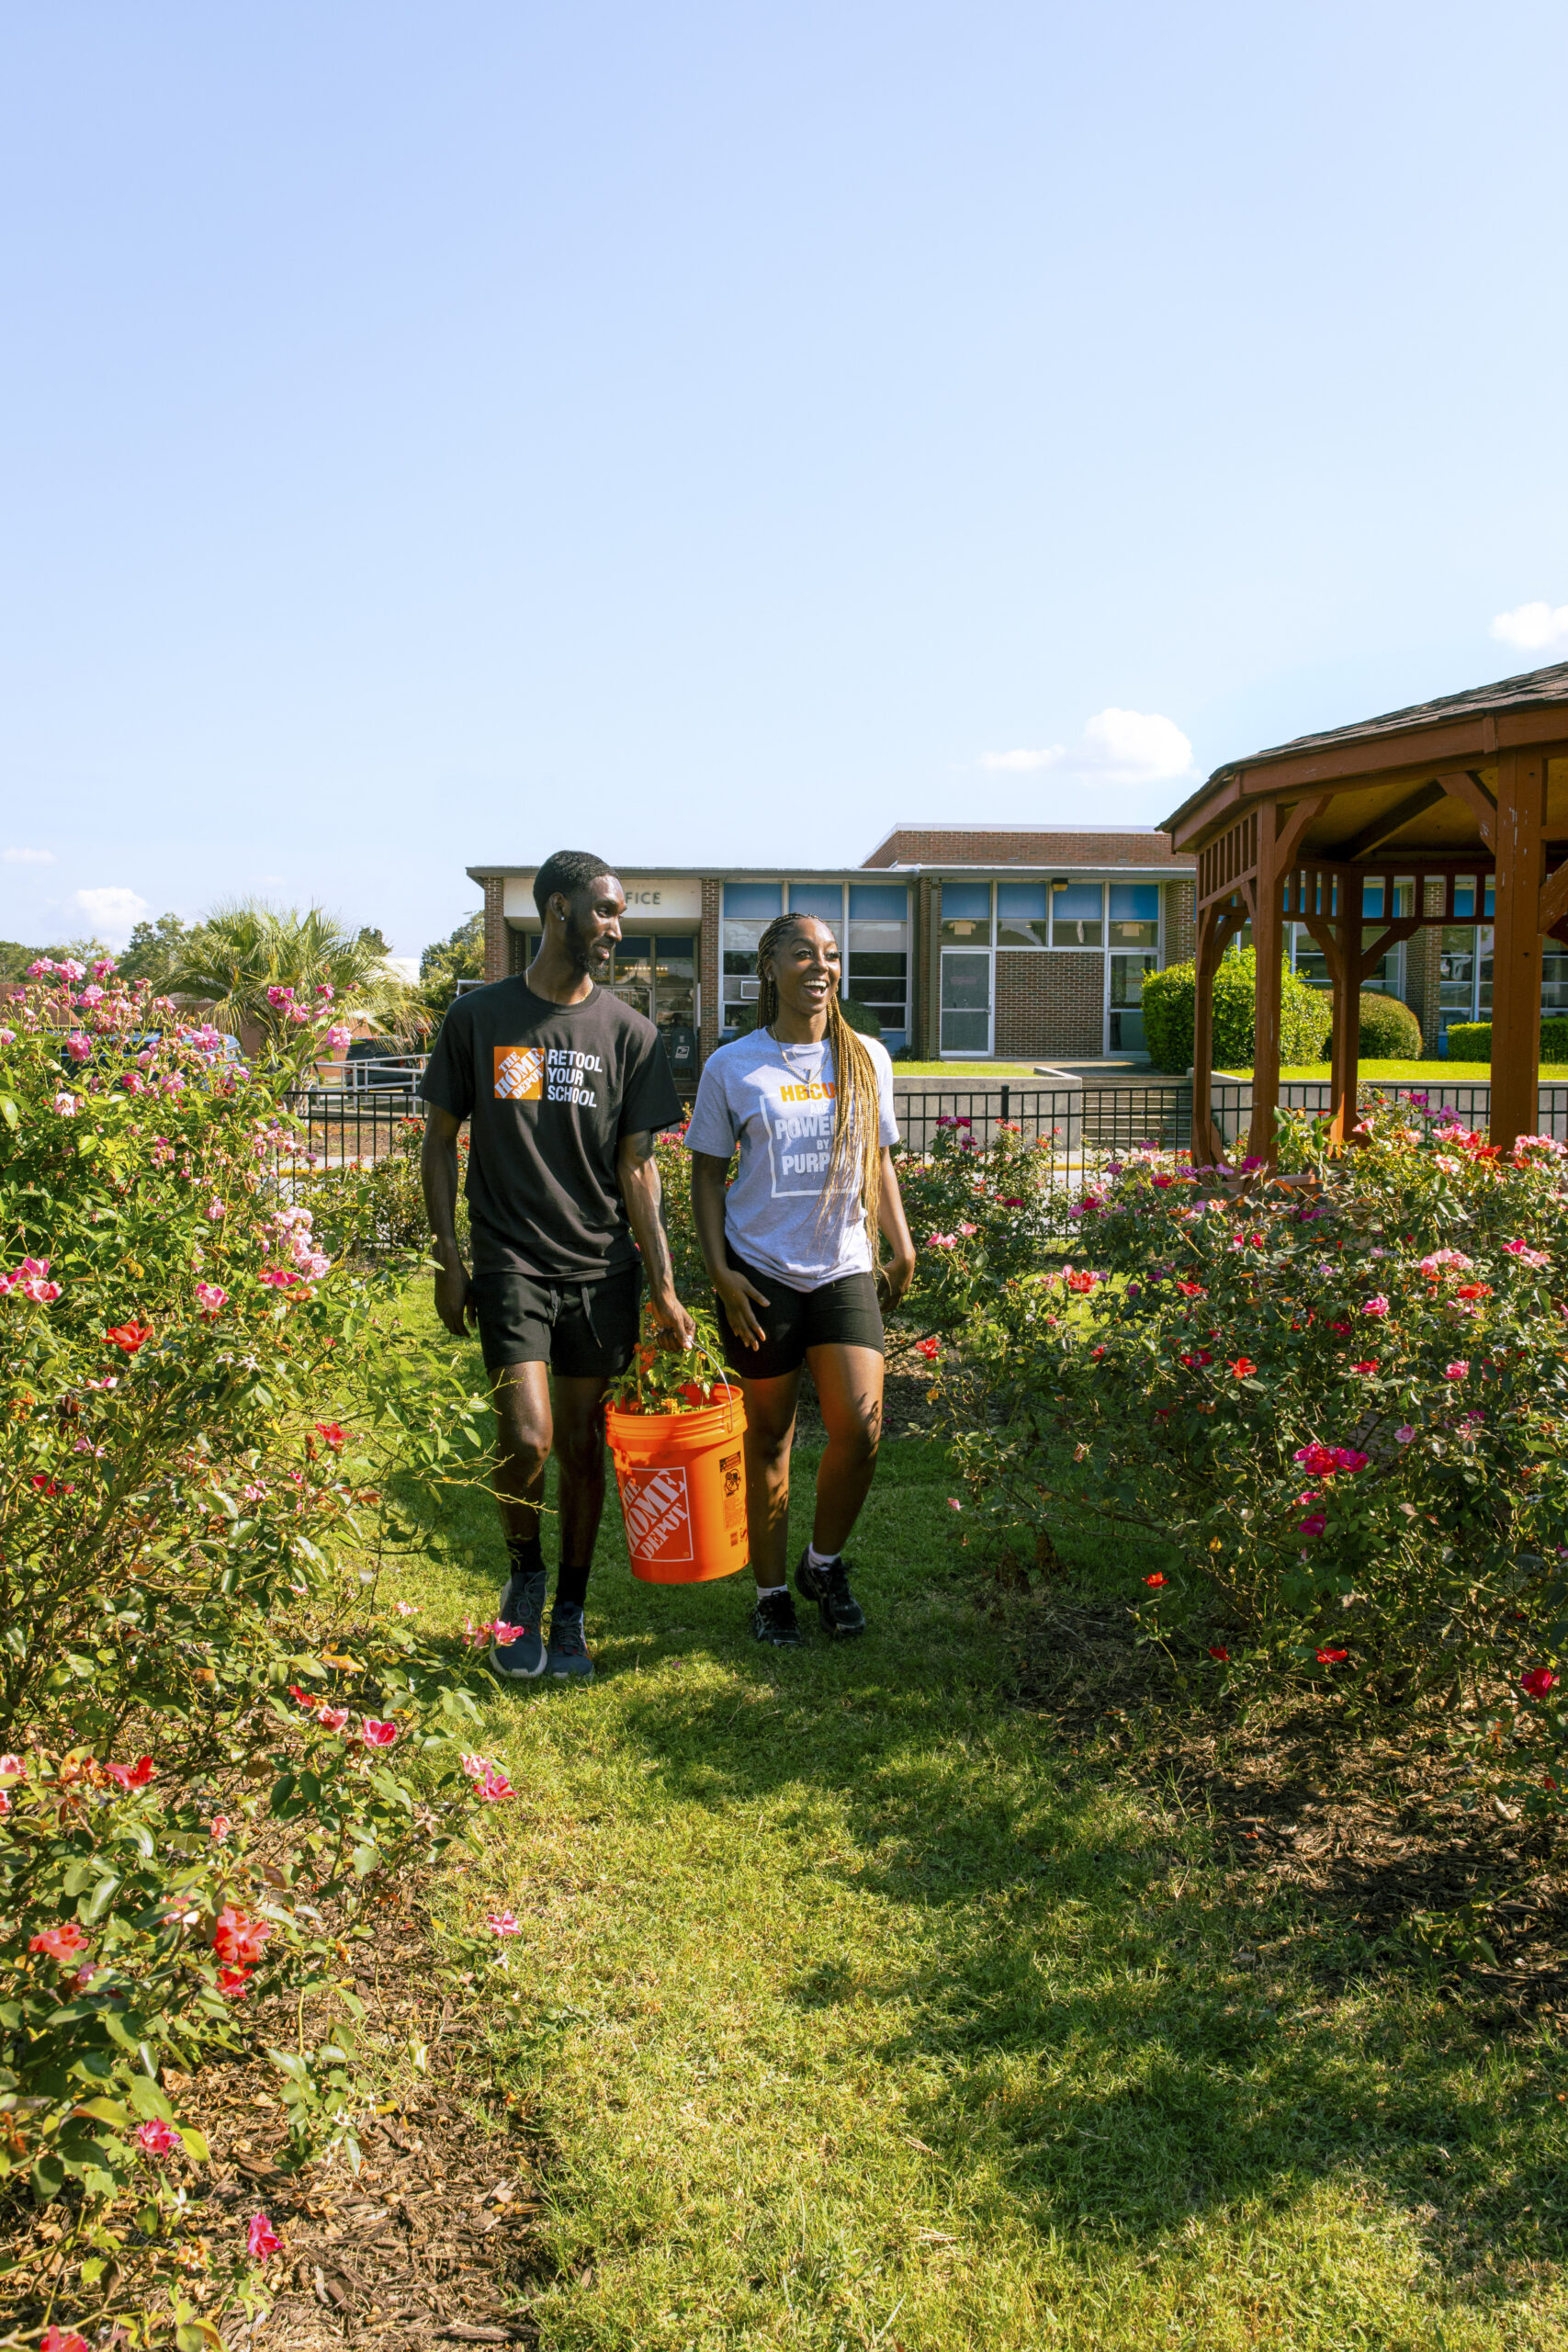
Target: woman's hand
893,1279
736,1294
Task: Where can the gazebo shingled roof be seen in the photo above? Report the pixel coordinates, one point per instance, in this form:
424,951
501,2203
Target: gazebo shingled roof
1469,785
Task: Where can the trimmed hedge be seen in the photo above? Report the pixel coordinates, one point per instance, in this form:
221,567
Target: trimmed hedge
1168,998
1388,1031
1470,1041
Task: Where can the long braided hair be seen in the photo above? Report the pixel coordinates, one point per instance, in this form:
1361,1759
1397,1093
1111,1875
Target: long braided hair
854,1164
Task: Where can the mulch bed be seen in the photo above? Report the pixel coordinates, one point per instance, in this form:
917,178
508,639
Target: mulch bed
433,2242
1365,1821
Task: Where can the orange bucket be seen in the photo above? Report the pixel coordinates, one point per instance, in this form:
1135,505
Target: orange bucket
682,1482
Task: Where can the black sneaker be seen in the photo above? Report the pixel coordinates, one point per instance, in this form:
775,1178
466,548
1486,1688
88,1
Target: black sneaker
520,1657
566,1657
841,1612
773,1619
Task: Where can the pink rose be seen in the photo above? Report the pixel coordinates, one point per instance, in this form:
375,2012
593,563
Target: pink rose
261,2238
1457,1370
157,2139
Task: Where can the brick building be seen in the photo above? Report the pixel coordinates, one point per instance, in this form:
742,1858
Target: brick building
970,942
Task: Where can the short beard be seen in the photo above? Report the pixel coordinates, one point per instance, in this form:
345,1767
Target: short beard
579,949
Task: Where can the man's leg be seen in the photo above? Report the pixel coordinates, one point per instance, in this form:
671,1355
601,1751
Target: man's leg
770,1430
579,1460
524,1430
849,1389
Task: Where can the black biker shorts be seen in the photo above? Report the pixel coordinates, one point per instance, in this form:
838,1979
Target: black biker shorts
585,1331
844,1312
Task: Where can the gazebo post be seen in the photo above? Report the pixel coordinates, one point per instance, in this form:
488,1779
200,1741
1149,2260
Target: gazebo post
1516,947
1205,1152
1347,1001
1268,945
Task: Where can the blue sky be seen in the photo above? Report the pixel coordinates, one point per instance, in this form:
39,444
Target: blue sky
437,435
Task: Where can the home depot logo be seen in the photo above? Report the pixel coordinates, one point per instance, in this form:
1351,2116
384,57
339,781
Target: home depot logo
519,1073
658,1514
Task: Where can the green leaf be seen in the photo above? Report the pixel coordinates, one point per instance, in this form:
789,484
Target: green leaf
196,2148
107,2110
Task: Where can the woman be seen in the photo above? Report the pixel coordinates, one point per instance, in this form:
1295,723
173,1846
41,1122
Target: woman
792,1250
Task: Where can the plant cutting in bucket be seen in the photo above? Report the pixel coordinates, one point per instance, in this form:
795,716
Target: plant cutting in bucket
675,1425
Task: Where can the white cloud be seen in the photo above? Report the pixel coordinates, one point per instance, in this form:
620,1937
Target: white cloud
1021,763
113,913
1137,746
1118,747
27,856
1535,629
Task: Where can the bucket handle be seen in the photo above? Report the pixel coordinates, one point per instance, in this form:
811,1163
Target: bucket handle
723,1372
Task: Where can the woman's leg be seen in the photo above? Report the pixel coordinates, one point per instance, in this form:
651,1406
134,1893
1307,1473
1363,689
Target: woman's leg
849,1389
770,1426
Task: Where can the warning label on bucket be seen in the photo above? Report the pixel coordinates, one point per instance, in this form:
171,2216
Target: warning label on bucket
734,1492
658,1514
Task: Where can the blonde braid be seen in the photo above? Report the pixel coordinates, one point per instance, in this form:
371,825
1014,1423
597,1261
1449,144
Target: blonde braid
854,1163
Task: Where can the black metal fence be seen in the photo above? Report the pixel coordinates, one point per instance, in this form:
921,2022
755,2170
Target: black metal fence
336,1124
339,1124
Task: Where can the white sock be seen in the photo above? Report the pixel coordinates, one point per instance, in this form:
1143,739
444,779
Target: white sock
822,1559
766,1591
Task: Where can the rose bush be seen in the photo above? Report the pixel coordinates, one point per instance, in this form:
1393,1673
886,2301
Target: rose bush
215,1741
983,1204
1337,1401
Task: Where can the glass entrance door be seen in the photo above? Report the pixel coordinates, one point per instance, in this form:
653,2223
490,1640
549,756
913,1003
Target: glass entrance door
1128,974
966,1001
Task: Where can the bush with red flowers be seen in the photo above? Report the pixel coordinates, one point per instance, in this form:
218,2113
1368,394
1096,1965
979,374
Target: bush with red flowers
1339,1402
203,1414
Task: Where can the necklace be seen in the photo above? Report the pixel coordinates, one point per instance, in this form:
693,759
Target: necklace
818,1049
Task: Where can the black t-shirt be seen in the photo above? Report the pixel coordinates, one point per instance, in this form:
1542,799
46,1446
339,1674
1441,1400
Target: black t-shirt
548,1090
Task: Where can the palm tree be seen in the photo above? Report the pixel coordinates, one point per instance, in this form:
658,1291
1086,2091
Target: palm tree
240,952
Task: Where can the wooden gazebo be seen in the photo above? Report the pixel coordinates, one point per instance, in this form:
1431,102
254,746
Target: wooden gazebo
1474,784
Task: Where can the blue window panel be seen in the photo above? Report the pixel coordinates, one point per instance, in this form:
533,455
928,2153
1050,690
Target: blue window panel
1024,901
1079,902
1464,899
1133,901
970,901
823,900
880,902
754,899
1371,897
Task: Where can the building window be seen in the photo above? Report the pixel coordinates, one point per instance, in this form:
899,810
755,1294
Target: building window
878,902
1023,914
1078,914
823,900
748,899
741,982
966,914
1134,915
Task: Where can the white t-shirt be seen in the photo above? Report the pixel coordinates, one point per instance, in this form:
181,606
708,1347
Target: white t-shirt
777,1103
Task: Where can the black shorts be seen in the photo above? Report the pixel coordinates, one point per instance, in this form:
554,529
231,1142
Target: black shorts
844,1314
586,1330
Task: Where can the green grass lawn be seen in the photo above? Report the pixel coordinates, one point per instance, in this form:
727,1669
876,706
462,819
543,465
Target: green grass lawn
996,1072
1410,1073
853,2009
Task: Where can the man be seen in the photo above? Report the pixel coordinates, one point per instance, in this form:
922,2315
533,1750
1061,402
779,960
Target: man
564,1088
